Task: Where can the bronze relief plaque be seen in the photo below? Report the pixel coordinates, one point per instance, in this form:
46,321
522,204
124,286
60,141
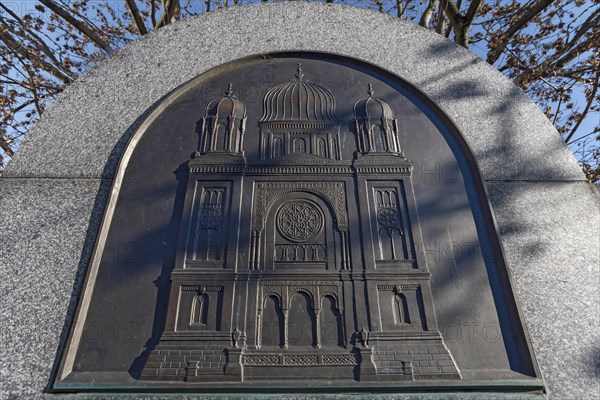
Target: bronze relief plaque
297,222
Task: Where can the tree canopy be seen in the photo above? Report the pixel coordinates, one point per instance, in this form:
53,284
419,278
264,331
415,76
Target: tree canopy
549,48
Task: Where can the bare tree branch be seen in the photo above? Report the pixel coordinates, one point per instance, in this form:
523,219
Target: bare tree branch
594,132
523,20
5,146
137,18
573,53
153,12
565,53
550,57
451,10
441,18
79,25
591,101
553,63
15,110
21,51
170,13
428,13
41,44
461,23
472,11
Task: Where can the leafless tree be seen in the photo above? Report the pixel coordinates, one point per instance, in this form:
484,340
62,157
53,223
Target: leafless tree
549,48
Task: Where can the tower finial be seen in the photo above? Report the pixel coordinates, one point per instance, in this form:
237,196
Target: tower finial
370,90
229,90
299,74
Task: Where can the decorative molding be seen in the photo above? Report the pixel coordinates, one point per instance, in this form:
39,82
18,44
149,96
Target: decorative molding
299,221
301,359
383,170
388,217
339,359
267,193
201,289
317,290
409,286
262,359
216,169
297,169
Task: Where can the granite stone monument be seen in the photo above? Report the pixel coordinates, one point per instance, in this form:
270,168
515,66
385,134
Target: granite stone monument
271,211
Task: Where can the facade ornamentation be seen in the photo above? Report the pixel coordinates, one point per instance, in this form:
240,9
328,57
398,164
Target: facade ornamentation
376,126
223,126
298,259
298,120
299,221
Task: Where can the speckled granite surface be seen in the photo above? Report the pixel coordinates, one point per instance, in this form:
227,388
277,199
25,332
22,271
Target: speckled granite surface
52,198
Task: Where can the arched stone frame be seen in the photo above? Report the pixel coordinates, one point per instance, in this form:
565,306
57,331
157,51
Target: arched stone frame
277,148
401,309
284,294
313,315
200,309
333,193
260,317
299,145
302,289
322,148
331,235
340,323
220,137
303,188
316,291
508,165
380,139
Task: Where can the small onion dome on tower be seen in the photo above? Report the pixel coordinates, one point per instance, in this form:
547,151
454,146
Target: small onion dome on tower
229,105
372,107
223,126
376,126
299,100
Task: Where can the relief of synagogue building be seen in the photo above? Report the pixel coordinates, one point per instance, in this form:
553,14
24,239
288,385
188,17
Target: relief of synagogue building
320,276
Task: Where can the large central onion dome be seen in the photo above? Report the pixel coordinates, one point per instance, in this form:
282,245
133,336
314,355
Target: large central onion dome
299,100
299,122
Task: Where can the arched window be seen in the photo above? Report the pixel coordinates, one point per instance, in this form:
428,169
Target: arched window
321,148
400,307
200,309
272,323
379,138
277,148
299,146
330,323
302,322
220,139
